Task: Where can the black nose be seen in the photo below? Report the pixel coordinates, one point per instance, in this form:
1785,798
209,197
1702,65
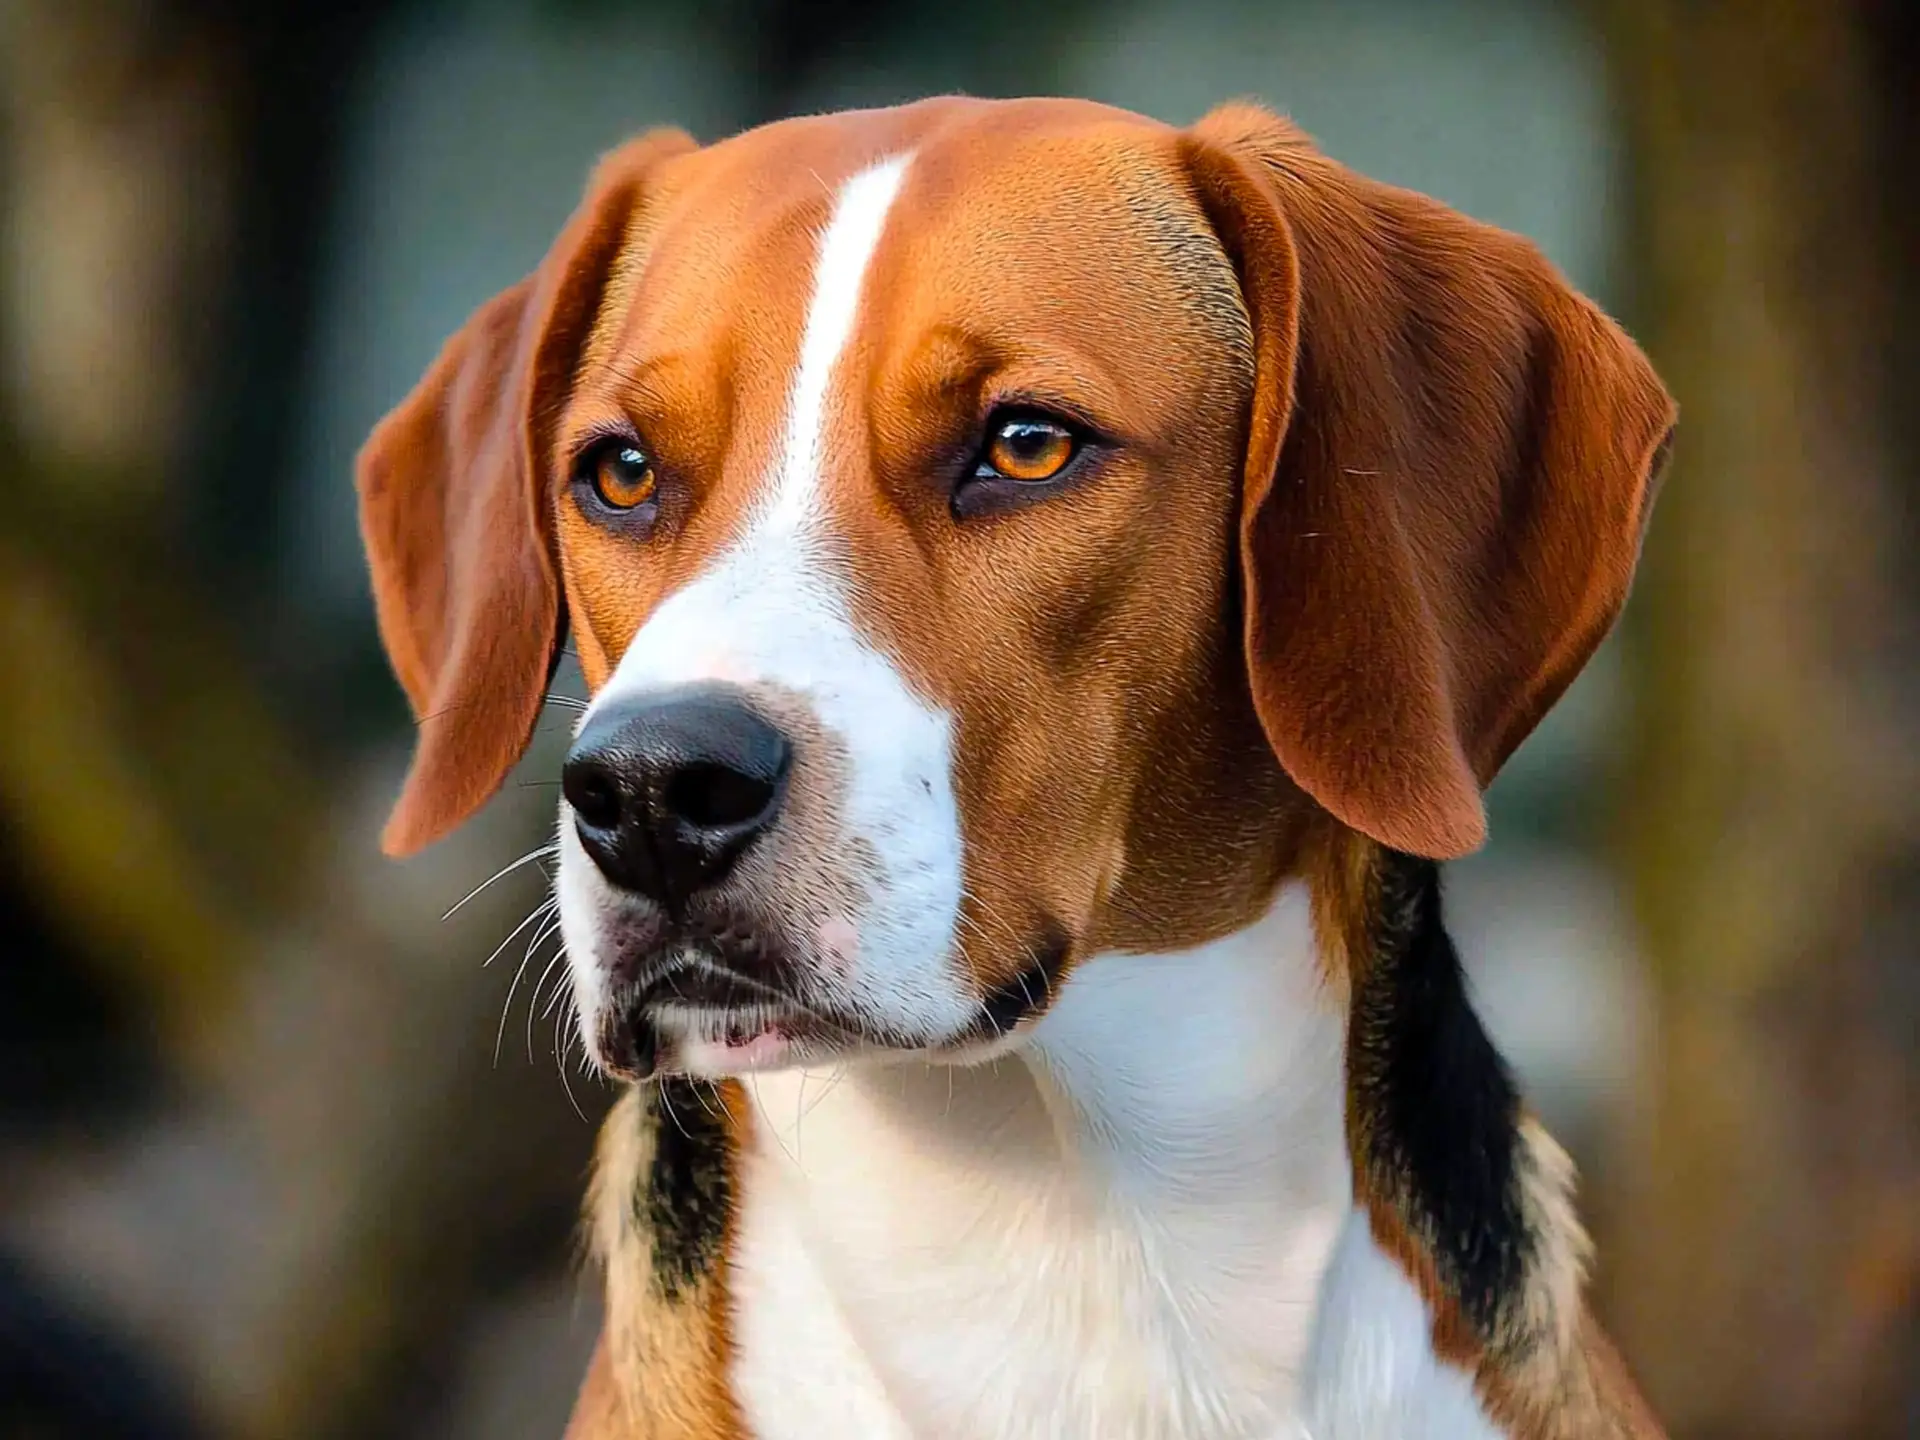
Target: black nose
667,790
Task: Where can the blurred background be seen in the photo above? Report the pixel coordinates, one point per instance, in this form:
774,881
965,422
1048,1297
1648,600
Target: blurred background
281,1158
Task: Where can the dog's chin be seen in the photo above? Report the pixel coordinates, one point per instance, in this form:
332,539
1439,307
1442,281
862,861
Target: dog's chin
698,1017
714,1045
646,1042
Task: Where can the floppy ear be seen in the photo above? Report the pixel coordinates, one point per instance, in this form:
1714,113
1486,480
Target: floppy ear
456,516
1450,461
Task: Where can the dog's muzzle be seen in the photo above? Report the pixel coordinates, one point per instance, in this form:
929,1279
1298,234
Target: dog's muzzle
668,791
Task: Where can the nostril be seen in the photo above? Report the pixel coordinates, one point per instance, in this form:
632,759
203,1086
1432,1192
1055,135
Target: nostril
592,794
717,797
668,791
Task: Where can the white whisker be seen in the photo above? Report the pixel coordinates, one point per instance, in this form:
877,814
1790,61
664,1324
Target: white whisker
799,1114
559,1048
753,1089
558,956
666,1100
546,906
839,1074
500,1031
564,990
505,870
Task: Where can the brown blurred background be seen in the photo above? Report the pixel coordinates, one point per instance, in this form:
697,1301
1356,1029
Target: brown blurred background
261,1174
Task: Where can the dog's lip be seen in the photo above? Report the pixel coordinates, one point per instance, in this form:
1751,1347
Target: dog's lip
690,999
706,986
699,982
678,1036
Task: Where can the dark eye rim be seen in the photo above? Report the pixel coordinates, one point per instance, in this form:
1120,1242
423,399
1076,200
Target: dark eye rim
581,479
983,490
1000,424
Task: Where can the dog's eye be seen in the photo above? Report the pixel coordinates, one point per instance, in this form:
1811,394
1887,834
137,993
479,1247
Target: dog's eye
1029,455
1028,448
620,475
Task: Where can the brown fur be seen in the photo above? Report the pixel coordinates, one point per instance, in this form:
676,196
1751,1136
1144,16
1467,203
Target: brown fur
1357,525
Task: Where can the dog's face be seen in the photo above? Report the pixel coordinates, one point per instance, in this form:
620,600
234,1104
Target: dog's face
991,532
947,516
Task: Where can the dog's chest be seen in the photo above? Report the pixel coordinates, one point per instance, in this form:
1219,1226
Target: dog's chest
1129,1245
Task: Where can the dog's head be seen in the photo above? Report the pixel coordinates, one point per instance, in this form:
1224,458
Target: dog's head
993,533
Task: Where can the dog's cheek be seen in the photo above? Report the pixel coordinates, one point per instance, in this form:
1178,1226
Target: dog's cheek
1036,832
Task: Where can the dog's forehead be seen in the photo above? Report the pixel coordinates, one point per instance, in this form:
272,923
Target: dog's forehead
1007,213
808,158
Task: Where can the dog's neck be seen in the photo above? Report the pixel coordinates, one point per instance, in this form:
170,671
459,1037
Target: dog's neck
1124,1228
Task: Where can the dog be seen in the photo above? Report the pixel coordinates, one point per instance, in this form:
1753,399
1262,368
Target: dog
1052,587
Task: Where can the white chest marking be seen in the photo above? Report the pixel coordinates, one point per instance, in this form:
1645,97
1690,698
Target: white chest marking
1119,1232
1140,1227
1375,1374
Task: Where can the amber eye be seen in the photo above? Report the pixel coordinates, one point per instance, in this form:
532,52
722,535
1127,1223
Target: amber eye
1028,448
621,476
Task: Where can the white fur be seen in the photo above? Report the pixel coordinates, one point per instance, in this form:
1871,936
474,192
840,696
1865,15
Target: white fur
1375,1374
1120,1230
581,894
773,610
846,249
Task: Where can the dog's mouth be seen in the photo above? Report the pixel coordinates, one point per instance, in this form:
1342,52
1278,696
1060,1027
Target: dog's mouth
697,1011
724,1002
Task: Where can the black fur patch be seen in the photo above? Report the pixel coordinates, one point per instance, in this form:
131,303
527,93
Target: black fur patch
1030,991
1438,1107
688,1192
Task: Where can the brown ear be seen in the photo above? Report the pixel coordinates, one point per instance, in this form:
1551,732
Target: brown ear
455,513
1450,461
